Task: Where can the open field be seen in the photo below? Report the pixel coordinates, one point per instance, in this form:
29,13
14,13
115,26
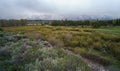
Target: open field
60,35
109,30
101,45
112,30
19,53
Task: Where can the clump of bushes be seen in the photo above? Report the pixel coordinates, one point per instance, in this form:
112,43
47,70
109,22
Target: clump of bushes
1,29
6,37
72,37
55,42
32,55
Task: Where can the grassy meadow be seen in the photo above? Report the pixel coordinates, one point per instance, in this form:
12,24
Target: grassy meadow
101,45
97,40
34,53
111,31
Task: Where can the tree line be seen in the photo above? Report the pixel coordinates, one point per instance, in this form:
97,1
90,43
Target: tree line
83,23
93,23
12,22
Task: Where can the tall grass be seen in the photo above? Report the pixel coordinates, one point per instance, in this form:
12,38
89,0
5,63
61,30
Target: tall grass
103,40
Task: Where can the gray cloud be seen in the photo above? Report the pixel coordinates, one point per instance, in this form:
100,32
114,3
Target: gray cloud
55,8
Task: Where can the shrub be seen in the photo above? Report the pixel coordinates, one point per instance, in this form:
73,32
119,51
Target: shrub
55,42
32,55
35,35
97,45
1,29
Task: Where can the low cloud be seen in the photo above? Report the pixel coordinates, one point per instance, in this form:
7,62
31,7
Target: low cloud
29,8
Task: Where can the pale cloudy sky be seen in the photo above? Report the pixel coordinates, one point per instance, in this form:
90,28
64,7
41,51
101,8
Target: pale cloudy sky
55,8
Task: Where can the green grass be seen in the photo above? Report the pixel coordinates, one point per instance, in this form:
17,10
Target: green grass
36,55
99,39
110,30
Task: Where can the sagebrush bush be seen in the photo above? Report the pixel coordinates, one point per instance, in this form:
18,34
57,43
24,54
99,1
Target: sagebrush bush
1,29
104,41
37,55
55,42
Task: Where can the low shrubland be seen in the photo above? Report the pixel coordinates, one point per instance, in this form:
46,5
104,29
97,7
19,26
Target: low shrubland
26,54
105,45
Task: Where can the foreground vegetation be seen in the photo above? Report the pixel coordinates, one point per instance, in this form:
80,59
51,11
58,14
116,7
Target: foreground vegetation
19,53
93,44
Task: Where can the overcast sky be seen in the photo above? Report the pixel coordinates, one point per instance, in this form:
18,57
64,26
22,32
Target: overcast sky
30,8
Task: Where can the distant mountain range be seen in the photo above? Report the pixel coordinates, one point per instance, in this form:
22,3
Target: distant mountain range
61,17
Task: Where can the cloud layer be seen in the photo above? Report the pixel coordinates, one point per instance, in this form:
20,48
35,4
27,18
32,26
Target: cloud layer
56,8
